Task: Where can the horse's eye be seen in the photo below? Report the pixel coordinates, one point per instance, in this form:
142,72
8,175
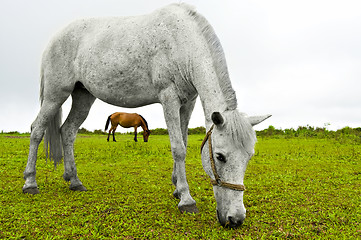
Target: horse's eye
221,157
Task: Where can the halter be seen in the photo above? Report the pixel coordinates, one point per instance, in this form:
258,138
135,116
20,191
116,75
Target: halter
218,181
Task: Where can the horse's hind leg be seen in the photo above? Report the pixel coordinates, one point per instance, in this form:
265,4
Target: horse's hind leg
47,112
81,104
110,130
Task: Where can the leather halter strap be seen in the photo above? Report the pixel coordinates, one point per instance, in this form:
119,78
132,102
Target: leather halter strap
217,181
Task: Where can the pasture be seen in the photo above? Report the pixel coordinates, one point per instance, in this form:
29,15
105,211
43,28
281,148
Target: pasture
297,188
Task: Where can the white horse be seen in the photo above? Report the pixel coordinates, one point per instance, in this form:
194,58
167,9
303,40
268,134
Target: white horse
169,57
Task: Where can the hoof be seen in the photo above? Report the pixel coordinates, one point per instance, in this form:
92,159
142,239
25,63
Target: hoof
79,188
188,209
32,191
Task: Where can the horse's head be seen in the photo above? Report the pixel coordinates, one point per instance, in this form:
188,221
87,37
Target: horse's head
146,134
231,140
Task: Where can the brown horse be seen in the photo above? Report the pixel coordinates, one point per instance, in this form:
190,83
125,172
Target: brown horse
127,120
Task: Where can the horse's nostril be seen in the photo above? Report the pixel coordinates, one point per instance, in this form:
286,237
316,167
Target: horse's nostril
231,221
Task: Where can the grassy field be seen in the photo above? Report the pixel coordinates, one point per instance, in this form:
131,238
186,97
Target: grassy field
297,188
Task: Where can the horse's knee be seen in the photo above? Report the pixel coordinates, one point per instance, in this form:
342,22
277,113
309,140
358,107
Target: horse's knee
179,153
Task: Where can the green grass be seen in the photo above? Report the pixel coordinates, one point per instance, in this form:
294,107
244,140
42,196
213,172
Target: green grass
297,188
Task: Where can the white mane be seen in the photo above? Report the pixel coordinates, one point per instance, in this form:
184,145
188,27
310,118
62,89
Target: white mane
219,60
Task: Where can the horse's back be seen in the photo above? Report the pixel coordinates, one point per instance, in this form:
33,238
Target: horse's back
104,40
108,33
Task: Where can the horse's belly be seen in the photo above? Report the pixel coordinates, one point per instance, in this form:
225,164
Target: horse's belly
125,97
129,102
123,92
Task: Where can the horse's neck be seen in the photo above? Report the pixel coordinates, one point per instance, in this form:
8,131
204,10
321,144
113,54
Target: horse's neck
211,97
144,127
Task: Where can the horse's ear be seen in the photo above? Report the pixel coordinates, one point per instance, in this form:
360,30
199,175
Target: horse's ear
217,118
254,120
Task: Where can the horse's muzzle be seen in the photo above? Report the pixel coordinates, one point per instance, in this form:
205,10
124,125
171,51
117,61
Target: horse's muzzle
231,220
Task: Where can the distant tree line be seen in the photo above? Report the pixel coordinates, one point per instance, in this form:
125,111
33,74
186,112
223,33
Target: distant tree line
346,134
308,131
342,135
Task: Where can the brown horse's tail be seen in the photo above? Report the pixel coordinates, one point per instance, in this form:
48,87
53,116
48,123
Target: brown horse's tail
107,123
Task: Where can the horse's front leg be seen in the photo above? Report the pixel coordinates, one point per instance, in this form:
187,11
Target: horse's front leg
185,115
171,108
135,134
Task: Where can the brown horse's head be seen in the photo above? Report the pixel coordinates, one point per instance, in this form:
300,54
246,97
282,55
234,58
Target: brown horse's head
146,134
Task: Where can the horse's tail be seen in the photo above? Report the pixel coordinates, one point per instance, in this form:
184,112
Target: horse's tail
145,121
52,138
107,123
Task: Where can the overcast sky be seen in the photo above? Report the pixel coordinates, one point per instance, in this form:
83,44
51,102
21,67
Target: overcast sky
297,60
